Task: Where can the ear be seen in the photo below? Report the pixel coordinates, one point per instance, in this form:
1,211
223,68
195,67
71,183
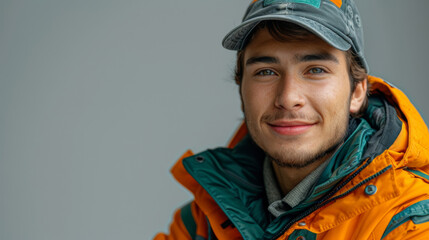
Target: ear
358,96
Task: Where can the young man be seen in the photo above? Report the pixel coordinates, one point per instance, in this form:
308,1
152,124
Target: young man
326,151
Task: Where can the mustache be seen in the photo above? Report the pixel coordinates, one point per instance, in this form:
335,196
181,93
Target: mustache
290,116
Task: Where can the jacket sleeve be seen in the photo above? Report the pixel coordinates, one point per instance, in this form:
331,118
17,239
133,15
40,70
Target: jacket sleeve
188,223
410,223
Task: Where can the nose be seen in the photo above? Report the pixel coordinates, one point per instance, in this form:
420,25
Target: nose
289,94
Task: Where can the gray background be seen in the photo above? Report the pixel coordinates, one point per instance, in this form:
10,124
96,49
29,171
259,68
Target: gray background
99,98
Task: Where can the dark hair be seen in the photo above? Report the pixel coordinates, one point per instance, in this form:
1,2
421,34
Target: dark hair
285,31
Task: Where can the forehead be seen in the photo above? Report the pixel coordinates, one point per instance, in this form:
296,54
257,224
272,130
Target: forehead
264,43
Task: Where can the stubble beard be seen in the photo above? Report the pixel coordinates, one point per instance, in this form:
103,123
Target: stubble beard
305,159
288,158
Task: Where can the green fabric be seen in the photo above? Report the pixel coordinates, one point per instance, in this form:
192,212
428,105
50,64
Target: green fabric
304,234
375,104
314,3
234,179
344,161
418,173
188,220
418,213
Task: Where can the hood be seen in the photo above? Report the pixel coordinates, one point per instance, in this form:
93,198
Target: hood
411,148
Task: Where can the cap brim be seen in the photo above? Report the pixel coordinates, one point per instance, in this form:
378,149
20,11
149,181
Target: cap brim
236,39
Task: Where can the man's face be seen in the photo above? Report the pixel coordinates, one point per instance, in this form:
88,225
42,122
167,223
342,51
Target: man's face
296,98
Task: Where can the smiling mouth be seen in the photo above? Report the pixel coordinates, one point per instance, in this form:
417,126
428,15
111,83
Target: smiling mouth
290,128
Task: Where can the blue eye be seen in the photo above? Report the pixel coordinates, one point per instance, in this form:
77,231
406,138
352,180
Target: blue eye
316,71
266,72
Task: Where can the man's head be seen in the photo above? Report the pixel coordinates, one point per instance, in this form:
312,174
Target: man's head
298,88
335,21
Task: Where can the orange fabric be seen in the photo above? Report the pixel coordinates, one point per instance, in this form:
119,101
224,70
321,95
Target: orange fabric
202,227
239,134
337,2
370,215
177,230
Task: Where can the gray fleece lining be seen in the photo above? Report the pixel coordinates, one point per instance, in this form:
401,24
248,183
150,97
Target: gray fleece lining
277,205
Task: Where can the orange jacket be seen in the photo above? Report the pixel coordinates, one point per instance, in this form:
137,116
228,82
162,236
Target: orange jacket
386,196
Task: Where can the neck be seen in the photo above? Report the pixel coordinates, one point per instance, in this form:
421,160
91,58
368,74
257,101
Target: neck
289,177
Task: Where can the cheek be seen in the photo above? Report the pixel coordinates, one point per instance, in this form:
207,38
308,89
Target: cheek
331,100
250,96
257,98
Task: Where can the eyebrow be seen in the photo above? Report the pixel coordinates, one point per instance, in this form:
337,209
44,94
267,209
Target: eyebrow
316,57
298,58
261,59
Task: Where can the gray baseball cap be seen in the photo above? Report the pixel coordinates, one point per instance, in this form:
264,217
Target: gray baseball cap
335,21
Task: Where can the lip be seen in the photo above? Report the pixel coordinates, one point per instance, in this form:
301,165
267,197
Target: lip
290,128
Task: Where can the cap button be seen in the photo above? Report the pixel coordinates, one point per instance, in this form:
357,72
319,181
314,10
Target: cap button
349,12
357,20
